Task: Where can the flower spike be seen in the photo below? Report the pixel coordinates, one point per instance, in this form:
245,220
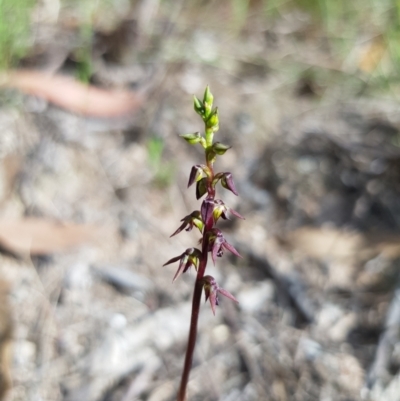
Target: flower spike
213,242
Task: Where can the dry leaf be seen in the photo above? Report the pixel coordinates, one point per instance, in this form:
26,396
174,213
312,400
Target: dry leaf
372,55
347,252
326,242
73,95
337,244
40,237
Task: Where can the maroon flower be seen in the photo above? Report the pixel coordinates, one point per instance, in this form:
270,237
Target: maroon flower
221,210
207,212
217,244
197,172
188,259
190,221
226,181
213,209
212,290
201,187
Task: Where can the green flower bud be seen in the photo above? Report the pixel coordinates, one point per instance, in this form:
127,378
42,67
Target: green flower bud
213,120
198,106
192,138
208,100
219,148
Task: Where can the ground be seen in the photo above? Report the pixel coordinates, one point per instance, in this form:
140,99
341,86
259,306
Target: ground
89,203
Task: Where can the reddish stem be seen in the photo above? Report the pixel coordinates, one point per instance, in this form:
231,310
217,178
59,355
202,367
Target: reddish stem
198,288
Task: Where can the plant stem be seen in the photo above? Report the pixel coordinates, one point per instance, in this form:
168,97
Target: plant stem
191,342
209,136
198,288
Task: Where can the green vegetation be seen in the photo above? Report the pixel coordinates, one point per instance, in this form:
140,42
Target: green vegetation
163,171
14,30
83,54
344,24
367,31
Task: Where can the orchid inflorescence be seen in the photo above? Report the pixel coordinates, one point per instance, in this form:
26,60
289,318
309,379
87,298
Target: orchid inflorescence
205,219
211,209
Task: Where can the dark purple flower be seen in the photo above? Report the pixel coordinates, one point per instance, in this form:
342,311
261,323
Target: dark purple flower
213,209
188,259
190,221
221,210
226,181
197,172
201,187
207,212
217,244
212,290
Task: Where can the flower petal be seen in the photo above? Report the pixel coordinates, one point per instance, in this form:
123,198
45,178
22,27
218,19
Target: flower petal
216,249
227,183
178,273
195,174
175,259
235,213
180,228
201,187
213,301
207,209
231,249
227,294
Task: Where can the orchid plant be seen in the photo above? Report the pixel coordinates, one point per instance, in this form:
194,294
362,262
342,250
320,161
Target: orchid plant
205,219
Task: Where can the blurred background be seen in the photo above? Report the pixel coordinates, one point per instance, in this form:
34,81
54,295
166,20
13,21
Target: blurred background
93,176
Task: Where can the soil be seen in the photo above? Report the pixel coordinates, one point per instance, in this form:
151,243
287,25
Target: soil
315,156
